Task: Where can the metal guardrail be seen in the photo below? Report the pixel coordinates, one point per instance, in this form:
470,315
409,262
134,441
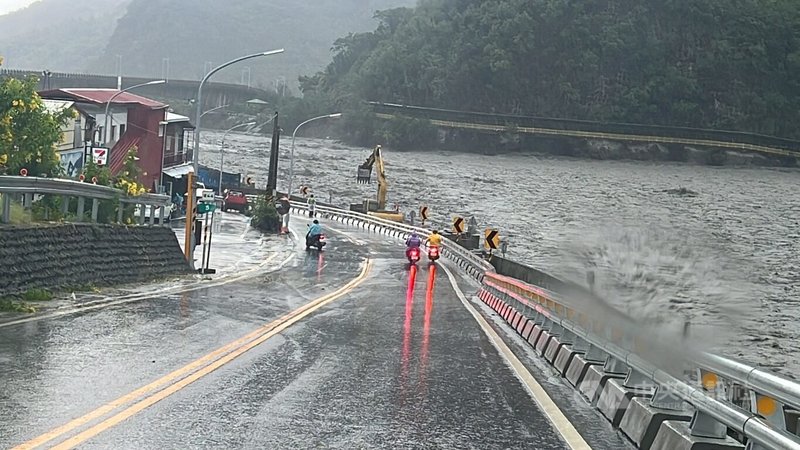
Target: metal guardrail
608,337
768,432
473,264
28,187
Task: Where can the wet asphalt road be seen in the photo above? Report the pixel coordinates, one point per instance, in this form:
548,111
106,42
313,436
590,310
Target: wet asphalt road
397,362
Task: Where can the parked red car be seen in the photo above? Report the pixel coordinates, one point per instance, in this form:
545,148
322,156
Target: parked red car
236,201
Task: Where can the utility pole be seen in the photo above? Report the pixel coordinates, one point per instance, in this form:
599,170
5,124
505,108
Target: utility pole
272,177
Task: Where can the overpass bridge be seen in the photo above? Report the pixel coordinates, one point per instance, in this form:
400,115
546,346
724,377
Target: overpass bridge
352,348
583,129
214,94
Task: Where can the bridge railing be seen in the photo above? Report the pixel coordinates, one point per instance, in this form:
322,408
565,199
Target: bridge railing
726,397
510,121
149,207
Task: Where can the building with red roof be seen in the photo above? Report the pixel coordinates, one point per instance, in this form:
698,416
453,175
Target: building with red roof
134,121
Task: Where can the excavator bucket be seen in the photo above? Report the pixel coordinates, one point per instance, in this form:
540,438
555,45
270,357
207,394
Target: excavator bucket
364,175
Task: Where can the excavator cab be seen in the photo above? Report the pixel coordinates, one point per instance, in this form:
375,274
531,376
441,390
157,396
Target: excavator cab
364,176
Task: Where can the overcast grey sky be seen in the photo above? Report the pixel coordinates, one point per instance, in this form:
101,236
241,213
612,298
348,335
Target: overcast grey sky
11,5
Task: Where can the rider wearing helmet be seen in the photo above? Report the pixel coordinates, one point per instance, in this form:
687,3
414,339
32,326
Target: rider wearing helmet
434,240
413,241
315,229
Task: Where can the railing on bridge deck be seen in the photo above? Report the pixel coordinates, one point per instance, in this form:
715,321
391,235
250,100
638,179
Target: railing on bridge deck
150,207
726,399
591,129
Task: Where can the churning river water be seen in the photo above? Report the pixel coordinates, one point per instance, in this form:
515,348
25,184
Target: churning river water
722,255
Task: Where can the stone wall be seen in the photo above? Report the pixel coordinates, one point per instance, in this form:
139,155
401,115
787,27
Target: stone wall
71,255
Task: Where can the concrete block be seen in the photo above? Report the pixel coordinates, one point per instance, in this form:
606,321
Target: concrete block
564,359
502,309
515,323
615,398
526,331
521,324
534,336
552,349
509,312
541,344
594,381
674,435
512,317
642,421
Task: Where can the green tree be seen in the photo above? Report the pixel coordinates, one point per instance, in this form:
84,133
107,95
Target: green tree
28,131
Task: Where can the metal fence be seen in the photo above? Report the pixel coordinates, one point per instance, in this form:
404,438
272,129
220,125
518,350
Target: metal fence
150,208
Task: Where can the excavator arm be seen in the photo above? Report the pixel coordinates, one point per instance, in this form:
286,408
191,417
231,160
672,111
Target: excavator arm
365,175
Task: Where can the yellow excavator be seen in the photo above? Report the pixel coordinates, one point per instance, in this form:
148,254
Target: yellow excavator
364,177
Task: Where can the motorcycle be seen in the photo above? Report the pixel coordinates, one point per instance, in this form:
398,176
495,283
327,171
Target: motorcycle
433,254
413,255
317,241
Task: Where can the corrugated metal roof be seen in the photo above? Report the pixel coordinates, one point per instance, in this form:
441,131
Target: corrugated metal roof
100,97
54,106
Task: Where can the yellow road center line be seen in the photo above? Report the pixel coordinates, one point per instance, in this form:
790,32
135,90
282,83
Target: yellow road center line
235,348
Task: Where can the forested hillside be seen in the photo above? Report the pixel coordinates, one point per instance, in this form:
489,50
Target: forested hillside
728,64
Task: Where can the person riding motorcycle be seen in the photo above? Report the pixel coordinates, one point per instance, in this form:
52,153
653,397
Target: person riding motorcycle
434,240
314,230
314,233
413,241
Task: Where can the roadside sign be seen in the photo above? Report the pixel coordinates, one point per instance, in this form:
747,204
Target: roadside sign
208,196
492,239
423,213
458,225
203,208
100,156
304,190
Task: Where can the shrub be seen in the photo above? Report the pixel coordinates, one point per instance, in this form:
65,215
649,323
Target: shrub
265,216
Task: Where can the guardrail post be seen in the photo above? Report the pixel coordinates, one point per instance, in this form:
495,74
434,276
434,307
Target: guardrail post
64,205
703,425
27,200
161,215
664,398
142,213
6,208
95,207
120,210
81,207
614,365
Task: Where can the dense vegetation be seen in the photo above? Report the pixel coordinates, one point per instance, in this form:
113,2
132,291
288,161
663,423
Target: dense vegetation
725,64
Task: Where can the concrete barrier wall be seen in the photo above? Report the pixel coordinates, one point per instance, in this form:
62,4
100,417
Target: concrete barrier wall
70,255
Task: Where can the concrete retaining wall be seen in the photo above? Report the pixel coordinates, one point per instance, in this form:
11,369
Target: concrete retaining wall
70,255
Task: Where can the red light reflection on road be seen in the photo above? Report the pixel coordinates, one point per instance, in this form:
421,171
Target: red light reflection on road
426,328
320,265
406,351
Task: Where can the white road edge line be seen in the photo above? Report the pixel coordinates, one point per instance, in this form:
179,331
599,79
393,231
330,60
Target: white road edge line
564,427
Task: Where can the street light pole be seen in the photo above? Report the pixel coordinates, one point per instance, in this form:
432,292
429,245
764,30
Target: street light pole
108,104
291,157
199,100
222,151
198,120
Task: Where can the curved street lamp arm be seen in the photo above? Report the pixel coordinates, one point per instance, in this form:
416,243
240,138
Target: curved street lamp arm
111,100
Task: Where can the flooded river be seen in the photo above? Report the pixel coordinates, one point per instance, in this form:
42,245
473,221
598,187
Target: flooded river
721,254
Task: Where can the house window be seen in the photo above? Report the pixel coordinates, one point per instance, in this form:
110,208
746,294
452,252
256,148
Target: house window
113,132
121,129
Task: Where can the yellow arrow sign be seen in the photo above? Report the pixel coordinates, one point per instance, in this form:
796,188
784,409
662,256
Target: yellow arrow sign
492,239
458,225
